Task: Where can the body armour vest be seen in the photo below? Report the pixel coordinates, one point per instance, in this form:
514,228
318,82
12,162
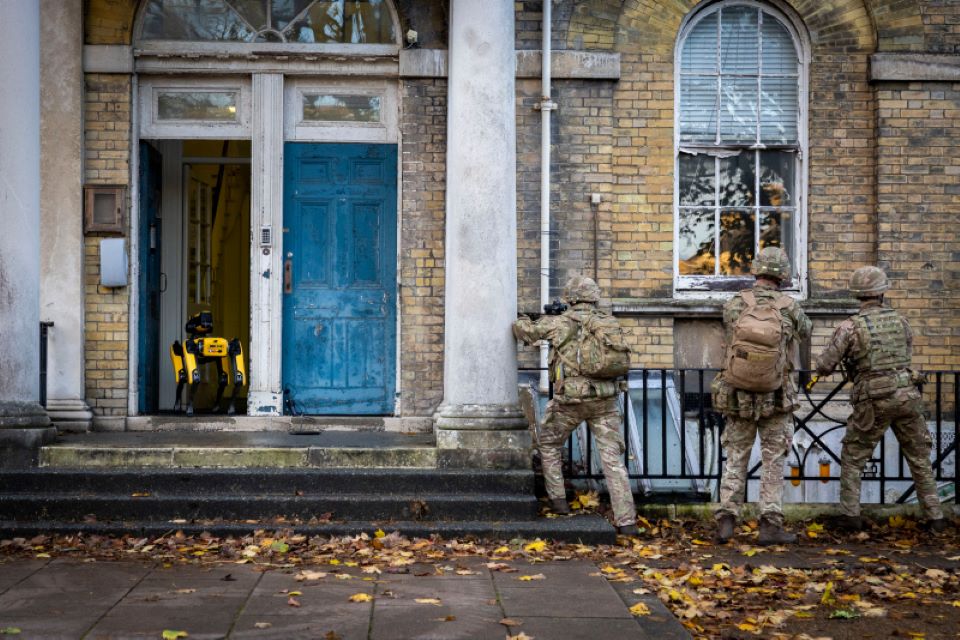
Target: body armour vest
882,333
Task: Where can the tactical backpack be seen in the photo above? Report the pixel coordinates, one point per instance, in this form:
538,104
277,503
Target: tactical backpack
757,354
596,348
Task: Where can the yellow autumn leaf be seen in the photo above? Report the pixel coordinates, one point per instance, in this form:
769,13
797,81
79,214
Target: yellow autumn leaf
897,522
351,564
170,634
746,626
750,553
537,545
502,550
334,561
379,533
956,603
520,636
361,597
700,542
814,529
433,601
295,593
640,609
610,569
802,614
827,596
538,576
916,634
588,499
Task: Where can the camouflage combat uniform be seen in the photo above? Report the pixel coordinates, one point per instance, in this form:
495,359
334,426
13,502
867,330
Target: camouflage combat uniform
577,399
875,347
748,413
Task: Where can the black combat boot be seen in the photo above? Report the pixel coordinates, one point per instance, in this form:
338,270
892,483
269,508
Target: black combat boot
772,533
560,506
848,523
725,524
628,530
940,525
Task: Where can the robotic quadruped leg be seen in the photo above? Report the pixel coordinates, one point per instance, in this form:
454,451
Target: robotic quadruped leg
199,349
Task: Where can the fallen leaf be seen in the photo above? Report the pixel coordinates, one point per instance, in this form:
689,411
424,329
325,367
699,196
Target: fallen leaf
587,500
502,550
262,625
139,494
293,602
814,529
332,635
827,596
936,573
433,601
640,609
537,545
281,547
746,626
956,603
446,619
701,542
170,634
379,533
510,622
538,576
185,591
10,631
295,593
361,597
520,636
844,614
306,574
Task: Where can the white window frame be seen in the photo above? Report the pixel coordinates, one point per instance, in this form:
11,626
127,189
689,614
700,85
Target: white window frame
296,129
723,287
152,127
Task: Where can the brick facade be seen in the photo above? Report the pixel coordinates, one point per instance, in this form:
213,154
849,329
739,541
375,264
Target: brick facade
881,186
106,130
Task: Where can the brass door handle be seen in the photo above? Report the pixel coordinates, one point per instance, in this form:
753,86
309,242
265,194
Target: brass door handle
288,275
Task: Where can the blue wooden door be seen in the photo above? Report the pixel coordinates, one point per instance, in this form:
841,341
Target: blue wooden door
148,373
340,281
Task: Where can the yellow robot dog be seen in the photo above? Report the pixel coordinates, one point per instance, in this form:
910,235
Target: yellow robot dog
202,348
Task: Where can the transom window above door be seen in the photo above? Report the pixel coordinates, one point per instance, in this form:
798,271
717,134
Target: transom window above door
740,139
291,21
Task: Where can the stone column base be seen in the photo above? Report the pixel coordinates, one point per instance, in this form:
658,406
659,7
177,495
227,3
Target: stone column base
482,436
24,428
71,415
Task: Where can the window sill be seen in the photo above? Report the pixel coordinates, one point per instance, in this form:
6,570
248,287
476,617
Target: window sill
678,308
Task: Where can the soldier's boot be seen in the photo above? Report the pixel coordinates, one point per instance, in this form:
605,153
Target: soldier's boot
560,506
725,524
773,533
848,523
628,530
940,525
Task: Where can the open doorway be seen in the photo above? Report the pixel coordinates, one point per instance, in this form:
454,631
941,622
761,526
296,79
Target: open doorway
195,257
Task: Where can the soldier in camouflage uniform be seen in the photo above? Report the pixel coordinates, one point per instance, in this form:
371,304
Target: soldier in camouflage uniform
768,414
577,399
874,347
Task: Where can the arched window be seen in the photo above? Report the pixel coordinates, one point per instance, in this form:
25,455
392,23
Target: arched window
739,142
296,21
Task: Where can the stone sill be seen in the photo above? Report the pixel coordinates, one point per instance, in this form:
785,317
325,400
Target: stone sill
668,307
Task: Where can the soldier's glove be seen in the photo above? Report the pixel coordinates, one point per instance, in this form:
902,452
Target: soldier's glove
813,381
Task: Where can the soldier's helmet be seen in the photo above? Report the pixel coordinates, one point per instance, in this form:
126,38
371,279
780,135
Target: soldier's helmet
581,289
772,262
867,282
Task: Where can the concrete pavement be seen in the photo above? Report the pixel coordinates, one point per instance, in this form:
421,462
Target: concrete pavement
71,598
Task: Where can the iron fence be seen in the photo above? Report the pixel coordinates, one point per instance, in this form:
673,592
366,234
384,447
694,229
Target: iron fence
672,437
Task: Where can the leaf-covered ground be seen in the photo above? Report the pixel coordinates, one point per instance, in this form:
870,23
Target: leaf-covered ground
894,580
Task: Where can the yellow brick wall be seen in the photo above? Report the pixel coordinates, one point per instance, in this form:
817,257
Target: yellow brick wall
106,162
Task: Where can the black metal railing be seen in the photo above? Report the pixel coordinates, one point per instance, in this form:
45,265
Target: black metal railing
44,330
667,453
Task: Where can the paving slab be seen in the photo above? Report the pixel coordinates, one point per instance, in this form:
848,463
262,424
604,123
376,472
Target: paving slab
12,572
466,620
581,628
563,601
404,592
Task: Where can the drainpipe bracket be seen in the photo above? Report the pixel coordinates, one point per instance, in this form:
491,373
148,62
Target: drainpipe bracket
546,104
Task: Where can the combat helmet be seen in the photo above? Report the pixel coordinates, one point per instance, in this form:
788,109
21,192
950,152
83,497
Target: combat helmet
581,289
773,263
867,282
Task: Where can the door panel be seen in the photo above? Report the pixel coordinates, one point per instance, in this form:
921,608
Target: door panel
148,373
339,316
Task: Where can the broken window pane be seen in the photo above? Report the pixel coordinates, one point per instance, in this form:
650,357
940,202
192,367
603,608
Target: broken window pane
736,242
698,115
739,41
777,178
737,180
776,228
738,109
696,250
697,180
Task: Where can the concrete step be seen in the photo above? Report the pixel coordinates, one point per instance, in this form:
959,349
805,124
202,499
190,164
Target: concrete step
172,482
346,506
586,529
281,424
179,449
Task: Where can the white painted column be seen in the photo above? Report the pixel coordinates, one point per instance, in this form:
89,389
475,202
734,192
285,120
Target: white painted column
61,209
23,422
266,311
480,407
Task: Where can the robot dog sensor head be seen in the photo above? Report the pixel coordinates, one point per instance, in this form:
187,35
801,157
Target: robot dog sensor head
200,324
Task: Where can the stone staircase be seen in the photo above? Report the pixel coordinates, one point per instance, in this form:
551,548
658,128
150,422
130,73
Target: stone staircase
233,483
